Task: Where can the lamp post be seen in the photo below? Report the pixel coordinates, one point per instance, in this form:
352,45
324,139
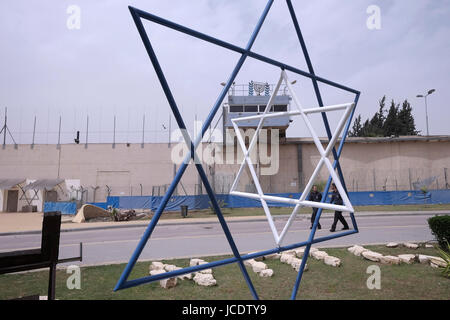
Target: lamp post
426,106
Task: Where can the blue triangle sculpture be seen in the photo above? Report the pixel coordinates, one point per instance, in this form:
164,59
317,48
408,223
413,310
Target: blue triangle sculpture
246,52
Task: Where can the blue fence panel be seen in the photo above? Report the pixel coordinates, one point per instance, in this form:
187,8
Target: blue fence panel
193,202
63,207
440,196
363,198
103,205
113,202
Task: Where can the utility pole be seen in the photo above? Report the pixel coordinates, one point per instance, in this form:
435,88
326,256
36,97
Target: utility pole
426,106
34,132
4,129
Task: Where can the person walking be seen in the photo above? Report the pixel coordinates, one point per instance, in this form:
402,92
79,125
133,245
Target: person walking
315,196
336,199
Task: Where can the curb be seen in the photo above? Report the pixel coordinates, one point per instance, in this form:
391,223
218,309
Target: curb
232,220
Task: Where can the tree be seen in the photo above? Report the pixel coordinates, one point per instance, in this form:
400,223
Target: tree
377,121
392,124
357,128
397,122
407,120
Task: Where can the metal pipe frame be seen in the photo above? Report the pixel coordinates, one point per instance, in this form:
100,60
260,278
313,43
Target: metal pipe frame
336,155
323,160
137,16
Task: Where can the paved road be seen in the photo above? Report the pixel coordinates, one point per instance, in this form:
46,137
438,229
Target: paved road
194,240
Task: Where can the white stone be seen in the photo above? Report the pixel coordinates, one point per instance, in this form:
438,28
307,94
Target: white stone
170,267
357,250
392,245
205,280
156,265
157,271
319,255
266,273
295,263
407,258
300,252
424,258
274,256
438,261
297,266
353,248
291,252
286,258
332,261
259,266
195,262
390,260
433,265
410,245
429,246
372,256
206,271
249,262
187,276
311,250
166,283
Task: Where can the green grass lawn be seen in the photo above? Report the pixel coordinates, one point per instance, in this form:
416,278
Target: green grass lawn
238,212
415,281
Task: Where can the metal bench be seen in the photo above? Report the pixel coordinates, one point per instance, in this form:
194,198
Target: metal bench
44,257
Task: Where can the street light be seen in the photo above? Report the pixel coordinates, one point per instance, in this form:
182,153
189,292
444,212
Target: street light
426,106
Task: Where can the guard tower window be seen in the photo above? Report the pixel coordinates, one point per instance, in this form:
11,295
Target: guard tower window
236,108
262,108
251,108
279,108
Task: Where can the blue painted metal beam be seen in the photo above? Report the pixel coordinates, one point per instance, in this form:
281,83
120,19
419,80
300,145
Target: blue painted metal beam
316,86
319,212
136,17
187,270
226,45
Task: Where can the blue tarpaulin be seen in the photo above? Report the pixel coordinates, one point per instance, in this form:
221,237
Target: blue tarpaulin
63,207
365,198
231,201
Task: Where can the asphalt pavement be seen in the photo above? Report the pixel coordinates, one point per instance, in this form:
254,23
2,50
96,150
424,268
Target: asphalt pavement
187,238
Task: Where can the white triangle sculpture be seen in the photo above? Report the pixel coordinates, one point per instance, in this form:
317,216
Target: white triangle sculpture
324,153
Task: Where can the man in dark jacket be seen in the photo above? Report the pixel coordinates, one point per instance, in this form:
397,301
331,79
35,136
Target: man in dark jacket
336,199
315,196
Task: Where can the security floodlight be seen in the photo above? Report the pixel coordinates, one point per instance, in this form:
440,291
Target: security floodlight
426,106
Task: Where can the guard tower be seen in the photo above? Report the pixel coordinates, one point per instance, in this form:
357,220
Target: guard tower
248,100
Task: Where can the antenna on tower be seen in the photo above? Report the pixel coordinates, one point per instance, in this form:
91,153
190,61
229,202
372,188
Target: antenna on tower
4,129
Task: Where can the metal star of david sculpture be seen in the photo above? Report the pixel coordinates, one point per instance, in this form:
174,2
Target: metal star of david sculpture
246,52
324,153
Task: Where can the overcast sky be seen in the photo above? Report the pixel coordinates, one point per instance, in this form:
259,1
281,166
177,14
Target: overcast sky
102,69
